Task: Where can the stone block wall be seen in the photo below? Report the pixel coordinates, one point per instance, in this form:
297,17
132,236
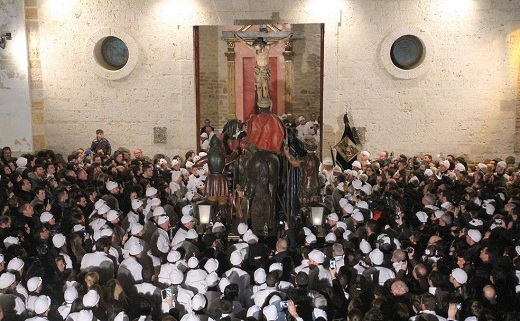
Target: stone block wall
464,102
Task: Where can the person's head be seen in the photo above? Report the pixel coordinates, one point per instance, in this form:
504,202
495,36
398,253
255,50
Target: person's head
40,192
38,170
100,134
60,263
91,279
281,245
428,302
259,43
6,152
399,288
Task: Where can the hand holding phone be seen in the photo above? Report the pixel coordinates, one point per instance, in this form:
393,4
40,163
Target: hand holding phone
332,264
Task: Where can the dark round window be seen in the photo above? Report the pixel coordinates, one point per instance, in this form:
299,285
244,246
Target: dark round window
407,52
115,52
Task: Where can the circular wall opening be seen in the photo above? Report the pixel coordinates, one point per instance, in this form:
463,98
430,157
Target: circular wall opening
114,52
407,52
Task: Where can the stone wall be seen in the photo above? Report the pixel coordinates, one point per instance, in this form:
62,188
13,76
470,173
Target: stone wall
462,101
15,107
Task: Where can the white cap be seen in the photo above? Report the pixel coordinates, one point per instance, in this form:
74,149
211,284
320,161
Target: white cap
154,202
236,258
460,167
187,210
356,164
212,279
475,235
254,311
364,246
193,262
270,312
136,248
111,185
71,294
275,266
362,204
358,216
445,163
192,234
6,280
16,264
218,227
250,237
21,162
42,304
186,219
173,256
459,275
333,217
242,228
100,202
357,184
317,256
136,228
85,315
10,240
311,238
376,256
33,283
159,211
428,172
198,302
136,204
211,265
162,219
112,215
103,209
58,240
422,216
260,276
46,217
151,191
90,299
330,237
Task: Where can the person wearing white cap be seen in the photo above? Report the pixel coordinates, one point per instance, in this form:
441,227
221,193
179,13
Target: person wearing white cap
188,223
34,286
70,295
160,240
99,261
41,307
458,278
135,215
364,157
377,258
236,274
8,288
323,277
130,270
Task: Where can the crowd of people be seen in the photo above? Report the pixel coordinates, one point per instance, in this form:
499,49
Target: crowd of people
103,236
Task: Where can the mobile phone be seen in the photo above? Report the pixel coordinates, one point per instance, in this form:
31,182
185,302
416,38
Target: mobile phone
284,304
166,293
332,264
459,306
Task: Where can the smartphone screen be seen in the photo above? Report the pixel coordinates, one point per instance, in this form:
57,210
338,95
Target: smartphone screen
332,264
166,293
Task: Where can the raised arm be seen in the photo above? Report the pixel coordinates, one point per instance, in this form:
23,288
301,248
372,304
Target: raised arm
240,39
283,40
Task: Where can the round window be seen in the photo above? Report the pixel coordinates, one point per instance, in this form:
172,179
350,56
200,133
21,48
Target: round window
407,52
114,52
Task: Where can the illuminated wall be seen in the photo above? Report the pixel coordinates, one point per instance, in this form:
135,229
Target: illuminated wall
15,110
462,100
